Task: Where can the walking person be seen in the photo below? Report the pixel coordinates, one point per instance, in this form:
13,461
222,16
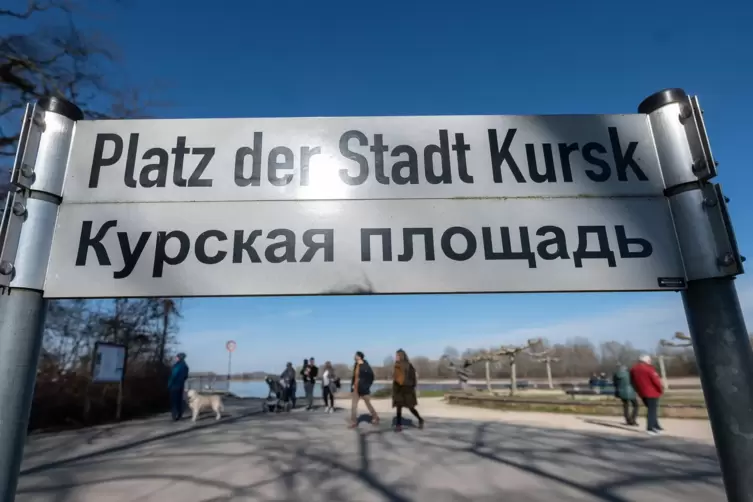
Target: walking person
404,381
624,391
309,374
363,378
647,383
288,376
329,386
176,386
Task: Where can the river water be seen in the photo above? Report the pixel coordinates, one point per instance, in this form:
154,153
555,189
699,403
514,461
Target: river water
260,389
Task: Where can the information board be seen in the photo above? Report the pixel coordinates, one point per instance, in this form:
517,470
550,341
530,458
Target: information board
109,363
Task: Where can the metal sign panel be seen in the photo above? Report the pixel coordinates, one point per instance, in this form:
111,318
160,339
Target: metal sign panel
109,362
379,246
438,157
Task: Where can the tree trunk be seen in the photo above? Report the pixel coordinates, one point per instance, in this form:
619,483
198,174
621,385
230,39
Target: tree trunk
513,376
549,373
663,370
487,365
163,339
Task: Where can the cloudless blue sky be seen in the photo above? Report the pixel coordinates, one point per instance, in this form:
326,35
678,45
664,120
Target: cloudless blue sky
302,58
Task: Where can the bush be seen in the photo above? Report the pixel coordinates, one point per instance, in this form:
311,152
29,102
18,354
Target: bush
60,401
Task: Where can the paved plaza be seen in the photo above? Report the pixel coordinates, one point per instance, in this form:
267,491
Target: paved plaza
463,454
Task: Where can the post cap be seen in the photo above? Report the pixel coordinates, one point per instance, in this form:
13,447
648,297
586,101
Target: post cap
61,106
662,98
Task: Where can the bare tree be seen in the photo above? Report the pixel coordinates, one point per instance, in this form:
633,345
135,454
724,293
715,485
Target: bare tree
388,364
170,312
487,357
451,352
512,351
545,356
44,53
683,341
508,353
461,368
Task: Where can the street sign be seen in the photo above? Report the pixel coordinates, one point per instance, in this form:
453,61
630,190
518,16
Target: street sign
361,158
364,246
230,346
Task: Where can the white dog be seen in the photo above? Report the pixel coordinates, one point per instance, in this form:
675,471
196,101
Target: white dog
198,402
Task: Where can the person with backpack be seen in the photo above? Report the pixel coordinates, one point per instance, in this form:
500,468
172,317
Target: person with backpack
404,381
360,387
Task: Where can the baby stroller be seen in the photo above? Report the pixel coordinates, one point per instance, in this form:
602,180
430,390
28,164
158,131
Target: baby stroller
277,399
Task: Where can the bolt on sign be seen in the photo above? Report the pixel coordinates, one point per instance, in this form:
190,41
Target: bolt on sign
313,206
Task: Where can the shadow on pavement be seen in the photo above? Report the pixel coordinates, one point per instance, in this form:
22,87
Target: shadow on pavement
145,434
313,456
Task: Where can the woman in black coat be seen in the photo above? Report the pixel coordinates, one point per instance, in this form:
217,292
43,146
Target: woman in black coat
404,383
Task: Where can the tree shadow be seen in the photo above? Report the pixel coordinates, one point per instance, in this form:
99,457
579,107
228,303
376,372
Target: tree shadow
317,457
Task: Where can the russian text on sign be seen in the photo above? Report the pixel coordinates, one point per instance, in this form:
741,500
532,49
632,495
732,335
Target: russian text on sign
324,247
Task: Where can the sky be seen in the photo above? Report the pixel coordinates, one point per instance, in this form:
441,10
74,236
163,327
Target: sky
336,58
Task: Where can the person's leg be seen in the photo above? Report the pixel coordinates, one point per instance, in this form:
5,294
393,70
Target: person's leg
372,411
332,399
656,415
414,411
354,410
398,417
173,404
626,410
634,414
325,396
650,414
293,394
310,395
179,399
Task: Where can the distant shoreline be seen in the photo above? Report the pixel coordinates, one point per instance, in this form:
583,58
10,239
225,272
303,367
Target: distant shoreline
454,381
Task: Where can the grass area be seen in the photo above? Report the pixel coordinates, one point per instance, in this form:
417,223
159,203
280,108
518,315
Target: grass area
552,397
386,393
679,406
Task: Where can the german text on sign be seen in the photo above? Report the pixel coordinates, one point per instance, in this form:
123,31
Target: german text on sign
361,158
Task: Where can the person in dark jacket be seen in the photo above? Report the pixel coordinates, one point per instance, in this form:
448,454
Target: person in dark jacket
624,391
646,382
360,387
176,386
593,382
404,383
309,372
288,376
329,387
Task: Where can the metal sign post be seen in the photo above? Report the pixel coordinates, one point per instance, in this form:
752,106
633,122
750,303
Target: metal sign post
28,223
709,250
230,346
